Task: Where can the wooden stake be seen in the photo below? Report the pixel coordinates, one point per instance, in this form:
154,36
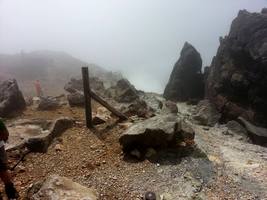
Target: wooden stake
87,97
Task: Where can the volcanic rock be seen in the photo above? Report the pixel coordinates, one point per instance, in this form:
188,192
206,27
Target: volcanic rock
123,92
156,132
48,103
56,187
186,80
40,143
257,134
237,81
11,98
206,113
139,108
169,107
76,99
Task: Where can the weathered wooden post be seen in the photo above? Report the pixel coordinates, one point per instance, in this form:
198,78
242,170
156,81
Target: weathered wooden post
87,97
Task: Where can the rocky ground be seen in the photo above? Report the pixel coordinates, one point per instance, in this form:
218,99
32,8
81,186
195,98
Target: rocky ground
220,166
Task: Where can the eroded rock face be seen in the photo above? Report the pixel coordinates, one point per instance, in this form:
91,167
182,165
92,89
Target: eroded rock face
11,98
237,81
186,80
56,187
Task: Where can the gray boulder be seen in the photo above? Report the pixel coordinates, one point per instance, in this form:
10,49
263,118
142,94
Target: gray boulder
257,134
40,143
123,92
206,113
186,80
237,130
139,108
169,107
156,132
56,187
11,98
76,99
48,103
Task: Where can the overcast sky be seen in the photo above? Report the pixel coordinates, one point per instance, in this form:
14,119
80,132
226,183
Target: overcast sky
141,38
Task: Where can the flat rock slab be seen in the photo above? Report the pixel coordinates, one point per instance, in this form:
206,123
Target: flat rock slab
56,188
41,143
158,131
20,131
36,135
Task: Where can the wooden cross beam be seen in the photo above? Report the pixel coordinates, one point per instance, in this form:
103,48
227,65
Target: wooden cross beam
88,94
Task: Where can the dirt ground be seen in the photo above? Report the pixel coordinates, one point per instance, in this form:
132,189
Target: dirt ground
94,159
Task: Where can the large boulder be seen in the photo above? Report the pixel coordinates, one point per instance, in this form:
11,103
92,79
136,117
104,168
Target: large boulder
56,187
257,134
11,98
237,80
48,103
123,92
139,108
157,132
76,99
186,80
206,114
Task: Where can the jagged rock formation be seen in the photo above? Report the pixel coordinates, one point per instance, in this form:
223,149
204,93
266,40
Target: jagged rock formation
237,81
11,98
186,80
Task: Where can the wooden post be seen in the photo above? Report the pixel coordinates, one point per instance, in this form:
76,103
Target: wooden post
87,97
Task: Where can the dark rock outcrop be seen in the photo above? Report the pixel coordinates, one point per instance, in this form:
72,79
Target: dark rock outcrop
11,98
186,80
237,81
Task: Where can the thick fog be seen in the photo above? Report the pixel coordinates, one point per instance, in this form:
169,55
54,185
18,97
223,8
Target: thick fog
141,38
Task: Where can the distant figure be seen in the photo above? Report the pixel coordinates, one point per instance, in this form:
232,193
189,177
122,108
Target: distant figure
5,176
39,92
